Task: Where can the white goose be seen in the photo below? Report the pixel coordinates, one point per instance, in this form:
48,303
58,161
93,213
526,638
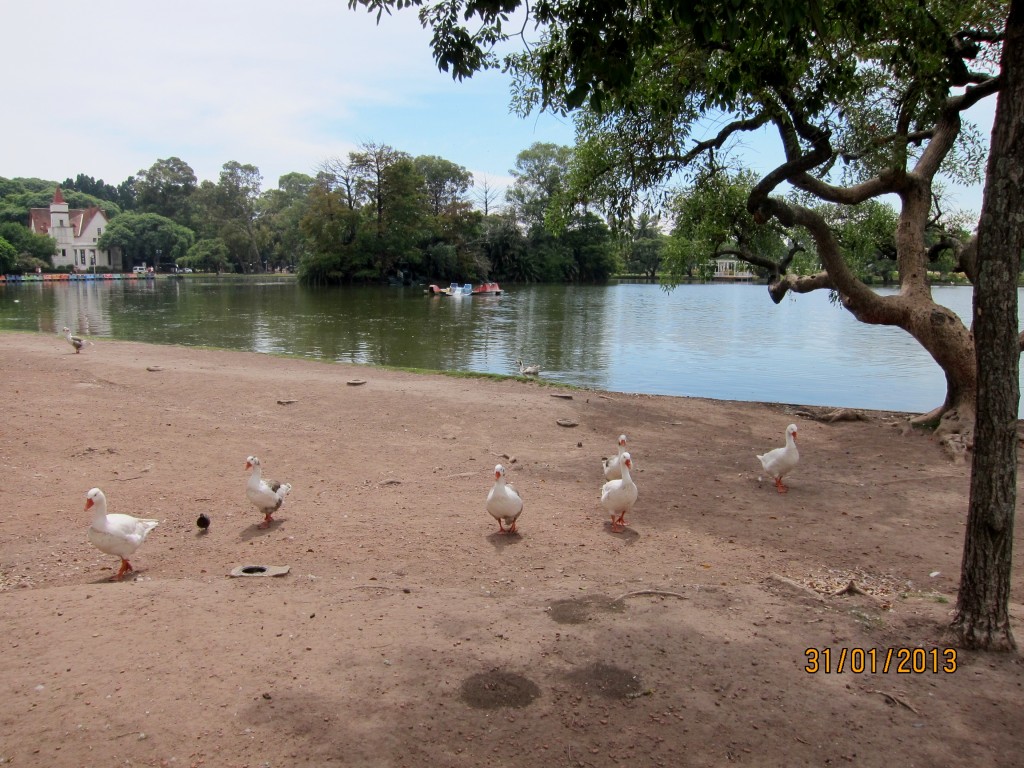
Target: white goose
780,461
619,496
528,370
117,535
267,495
504,502
611,465
75,341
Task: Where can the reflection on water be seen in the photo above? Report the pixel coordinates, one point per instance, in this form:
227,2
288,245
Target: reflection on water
723,341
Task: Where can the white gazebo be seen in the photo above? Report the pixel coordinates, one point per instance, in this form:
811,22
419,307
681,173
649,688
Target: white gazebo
732,269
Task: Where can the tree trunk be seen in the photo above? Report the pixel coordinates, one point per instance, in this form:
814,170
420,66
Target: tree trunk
936,328
982,612
952,346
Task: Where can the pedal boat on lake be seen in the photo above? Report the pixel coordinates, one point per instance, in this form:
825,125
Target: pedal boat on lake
484,289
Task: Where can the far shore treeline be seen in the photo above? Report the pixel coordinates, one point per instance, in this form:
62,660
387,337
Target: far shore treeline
380,214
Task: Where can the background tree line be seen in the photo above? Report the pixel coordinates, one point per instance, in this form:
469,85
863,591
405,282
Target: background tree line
375,215
380,214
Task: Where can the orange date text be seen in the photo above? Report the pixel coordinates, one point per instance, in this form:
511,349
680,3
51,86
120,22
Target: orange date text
902,661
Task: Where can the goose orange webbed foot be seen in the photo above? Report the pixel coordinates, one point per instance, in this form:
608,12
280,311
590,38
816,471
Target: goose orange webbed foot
126,567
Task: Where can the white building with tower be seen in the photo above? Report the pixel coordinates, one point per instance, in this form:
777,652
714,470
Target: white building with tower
76,231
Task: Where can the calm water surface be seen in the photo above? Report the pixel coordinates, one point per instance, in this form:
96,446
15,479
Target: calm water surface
719,341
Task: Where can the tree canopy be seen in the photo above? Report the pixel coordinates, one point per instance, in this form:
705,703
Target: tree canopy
27,243
8,256
165,188
147,237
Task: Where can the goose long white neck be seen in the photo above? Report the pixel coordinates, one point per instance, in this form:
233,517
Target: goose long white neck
99,509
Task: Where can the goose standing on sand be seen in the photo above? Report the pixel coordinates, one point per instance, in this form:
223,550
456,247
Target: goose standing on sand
612,465
504,502
619,496
779,462
117,535
75,341
267,495
528,370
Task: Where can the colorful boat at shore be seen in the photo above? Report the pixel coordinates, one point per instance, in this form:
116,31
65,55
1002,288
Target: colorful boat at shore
484,289
487,289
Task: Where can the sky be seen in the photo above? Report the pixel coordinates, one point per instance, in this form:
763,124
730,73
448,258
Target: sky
108,88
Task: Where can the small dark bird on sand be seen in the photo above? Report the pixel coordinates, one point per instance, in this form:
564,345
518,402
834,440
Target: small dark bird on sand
203,522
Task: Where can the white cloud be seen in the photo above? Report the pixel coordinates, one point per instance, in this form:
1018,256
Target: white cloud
282,86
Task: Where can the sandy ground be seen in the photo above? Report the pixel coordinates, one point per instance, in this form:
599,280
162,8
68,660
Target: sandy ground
409,632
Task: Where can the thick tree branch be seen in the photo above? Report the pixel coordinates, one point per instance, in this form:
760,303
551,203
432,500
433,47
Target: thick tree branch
796,169
798,284
947,127
917,138
945,243
751,258
884,183
792,126
968,259
979,36
865,304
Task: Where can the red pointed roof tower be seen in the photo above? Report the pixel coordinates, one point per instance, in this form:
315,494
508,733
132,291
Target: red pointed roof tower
58,197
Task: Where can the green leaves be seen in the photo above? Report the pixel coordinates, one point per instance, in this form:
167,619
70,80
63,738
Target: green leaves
141,235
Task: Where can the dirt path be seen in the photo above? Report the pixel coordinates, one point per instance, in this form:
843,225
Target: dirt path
409,632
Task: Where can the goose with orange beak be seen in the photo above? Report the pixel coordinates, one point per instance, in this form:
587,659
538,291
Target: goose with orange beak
504,502
267,495
116,534
619,496
781,461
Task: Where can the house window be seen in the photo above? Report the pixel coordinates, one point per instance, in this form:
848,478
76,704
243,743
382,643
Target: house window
99,231
63,253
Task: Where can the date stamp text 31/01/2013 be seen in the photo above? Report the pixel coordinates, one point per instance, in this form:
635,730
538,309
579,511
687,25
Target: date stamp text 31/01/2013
902,661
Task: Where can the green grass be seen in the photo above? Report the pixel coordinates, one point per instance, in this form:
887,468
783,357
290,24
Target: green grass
477,375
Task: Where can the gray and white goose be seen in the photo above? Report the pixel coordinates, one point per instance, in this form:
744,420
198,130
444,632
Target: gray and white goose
267,495
75,341
528,370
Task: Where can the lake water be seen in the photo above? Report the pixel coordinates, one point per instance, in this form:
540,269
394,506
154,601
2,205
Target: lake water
720,341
